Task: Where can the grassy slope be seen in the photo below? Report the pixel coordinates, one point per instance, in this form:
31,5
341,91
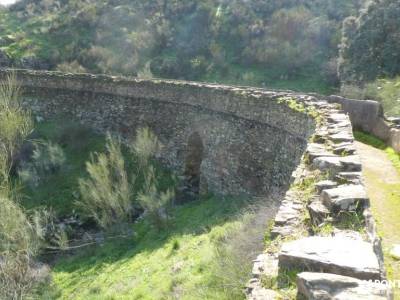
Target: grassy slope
173,264
180,262
385,202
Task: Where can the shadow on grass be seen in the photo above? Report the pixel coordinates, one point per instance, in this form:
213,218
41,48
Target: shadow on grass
194,218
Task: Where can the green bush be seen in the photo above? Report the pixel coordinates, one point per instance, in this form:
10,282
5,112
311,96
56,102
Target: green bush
47,159
21,237
106,196
115,182
15,124
155,202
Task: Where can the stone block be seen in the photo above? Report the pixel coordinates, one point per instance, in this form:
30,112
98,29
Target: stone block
345,198
337,255
321,286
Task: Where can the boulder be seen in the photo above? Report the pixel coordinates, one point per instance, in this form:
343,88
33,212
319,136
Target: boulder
337,255
345,198
320,286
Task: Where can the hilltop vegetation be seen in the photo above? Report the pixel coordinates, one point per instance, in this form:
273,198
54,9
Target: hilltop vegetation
280,44
306,45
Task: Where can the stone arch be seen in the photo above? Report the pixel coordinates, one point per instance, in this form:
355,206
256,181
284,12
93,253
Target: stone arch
192,164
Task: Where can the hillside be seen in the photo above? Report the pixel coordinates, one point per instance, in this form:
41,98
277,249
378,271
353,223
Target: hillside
281,44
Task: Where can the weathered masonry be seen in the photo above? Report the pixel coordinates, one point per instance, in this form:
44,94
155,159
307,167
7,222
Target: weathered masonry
225,139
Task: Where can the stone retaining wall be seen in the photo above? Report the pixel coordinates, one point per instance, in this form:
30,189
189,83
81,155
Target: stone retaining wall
311,234
367,116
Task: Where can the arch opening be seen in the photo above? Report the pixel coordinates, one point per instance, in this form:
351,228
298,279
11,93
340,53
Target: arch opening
192,170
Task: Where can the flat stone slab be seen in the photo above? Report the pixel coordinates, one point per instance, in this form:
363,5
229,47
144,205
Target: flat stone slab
255,291
345,197
289,212
318,212
337,255
317,150
325,185
338,118
342,137
349,163
351,177
395,252
283,231
324,163
321,286
265,264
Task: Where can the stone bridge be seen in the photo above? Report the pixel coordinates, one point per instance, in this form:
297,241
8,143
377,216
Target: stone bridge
229,140
242,140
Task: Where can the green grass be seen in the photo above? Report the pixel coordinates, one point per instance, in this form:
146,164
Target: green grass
197,257
385,204
379,144
178,263
60,190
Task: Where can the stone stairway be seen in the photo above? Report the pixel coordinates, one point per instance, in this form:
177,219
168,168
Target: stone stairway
343,264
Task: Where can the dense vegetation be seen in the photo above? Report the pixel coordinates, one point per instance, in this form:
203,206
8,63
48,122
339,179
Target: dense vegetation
307,45
281,44
371,43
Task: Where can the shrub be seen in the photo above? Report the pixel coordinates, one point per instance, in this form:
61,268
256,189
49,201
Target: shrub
21,239
15,123
106,195
145,146
47,158
155,202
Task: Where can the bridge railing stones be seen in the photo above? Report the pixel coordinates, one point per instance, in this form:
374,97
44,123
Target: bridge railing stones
341,261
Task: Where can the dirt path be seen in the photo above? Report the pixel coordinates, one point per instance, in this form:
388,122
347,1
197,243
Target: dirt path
383,185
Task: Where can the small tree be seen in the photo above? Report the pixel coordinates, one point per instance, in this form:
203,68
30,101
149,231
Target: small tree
106,194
